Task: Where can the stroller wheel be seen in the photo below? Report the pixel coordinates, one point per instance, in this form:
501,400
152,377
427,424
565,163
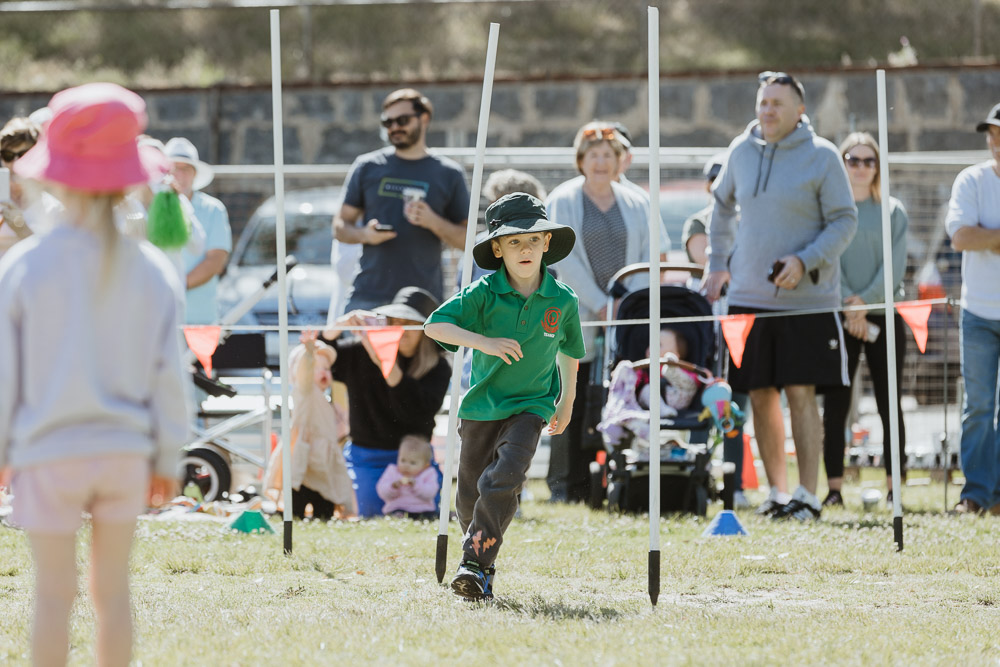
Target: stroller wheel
208,470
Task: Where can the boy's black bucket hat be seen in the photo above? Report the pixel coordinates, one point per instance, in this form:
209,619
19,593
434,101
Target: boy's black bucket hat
520,213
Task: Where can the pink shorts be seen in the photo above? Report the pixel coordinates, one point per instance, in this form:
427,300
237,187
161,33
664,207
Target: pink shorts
51,498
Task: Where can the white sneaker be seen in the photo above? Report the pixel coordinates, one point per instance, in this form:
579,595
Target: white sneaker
803,506
775,501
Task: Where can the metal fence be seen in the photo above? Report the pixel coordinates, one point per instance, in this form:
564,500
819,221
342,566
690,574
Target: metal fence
922,181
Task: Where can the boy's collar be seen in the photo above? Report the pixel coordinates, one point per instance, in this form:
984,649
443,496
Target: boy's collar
547,287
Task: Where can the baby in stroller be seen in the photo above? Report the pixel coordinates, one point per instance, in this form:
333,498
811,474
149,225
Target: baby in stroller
679,384
685,456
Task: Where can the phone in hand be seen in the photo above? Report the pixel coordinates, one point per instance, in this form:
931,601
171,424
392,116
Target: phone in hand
772,275
776,268
379,227
4,184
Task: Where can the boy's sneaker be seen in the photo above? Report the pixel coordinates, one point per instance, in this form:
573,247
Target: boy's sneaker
490,572
833,498
471,582
803,506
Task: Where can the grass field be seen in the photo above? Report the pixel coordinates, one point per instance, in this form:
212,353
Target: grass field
571,590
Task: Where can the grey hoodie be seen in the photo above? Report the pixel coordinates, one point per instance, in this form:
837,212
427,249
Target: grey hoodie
793,198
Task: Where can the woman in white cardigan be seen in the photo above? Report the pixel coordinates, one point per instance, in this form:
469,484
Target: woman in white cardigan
611,221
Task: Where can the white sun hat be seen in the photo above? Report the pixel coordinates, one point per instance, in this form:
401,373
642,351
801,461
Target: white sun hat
180,149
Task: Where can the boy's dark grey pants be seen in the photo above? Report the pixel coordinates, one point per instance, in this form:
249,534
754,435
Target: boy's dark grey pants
491,471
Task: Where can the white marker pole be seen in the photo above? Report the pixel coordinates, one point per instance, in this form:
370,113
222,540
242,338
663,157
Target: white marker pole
279,202
654,304
890,310
441,556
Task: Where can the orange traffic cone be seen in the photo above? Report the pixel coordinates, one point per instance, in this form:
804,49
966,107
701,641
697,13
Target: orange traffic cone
749,470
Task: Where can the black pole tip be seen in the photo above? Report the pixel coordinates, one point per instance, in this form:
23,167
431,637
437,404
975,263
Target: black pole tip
897,531
654,576
288,538
441,557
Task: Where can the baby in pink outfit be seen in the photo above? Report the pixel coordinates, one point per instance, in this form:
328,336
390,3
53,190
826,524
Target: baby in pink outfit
680,384
410,486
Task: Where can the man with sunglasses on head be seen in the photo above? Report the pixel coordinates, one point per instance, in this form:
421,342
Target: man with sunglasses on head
788,191
408,202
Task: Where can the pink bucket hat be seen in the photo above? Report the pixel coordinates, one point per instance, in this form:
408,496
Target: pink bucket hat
90,142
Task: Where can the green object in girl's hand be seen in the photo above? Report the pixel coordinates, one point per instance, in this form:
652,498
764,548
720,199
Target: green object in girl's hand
168,228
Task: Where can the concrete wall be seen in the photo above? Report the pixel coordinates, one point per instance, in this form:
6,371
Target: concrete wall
930,109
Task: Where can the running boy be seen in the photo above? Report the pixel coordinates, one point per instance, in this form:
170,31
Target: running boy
524,328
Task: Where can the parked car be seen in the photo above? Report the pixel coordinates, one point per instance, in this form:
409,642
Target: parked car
308,236
679,200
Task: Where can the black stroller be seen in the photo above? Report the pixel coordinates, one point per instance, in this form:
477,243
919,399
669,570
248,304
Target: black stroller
622,477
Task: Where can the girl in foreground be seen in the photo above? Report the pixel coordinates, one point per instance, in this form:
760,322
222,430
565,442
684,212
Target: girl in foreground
93,409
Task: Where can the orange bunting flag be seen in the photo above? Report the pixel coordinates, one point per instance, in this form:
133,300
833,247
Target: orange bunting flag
916,315
735,329
385,342
203,340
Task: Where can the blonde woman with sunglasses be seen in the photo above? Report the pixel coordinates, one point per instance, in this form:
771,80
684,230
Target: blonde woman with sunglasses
861,283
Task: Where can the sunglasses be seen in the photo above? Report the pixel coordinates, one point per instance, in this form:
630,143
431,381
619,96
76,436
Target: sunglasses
10,156
402,120
775,77
852,161
600,134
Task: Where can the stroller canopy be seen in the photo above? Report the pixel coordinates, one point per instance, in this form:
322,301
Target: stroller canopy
631,341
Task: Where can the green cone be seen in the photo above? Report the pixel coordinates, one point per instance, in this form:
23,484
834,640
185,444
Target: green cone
250,521
168,227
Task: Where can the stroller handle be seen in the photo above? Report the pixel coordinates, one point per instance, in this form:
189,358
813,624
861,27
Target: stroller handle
703,373
695,271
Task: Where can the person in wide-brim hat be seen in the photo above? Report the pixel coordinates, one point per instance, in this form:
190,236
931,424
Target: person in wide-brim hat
520,213
180,149
410,303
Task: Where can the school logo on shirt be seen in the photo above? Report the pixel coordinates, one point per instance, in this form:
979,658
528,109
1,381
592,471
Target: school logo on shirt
550,321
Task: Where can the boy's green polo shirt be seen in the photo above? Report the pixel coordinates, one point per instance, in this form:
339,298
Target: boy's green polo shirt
545,323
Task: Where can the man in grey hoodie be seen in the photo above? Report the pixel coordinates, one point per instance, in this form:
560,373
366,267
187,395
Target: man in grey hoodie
790,193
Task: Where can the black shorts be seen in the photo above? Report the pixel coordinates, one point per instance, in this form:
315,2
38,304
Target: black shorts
792,350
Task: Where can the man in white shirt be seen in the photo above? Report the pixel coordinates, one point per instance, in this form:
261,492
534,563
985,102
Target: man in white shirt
973,223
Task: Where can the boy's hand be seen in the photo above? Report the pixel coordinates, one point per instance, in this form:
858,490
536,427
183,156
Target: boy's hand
503,348
560,420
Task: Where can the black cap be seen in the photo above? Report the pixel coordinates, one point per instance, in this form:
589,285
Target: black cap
410,303
993,118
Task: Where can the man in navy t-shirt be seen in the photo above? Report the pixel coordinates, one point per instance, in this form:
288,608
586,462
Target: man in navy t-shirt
408,200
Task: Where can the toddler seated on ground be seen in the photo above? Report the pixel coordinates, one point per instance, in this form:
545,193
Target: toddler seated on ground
410,485
319,471
678,385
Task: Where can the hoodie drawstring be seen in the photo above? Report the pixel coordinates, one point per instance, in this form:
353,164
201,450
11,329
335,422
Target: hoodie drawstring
760,166
770,163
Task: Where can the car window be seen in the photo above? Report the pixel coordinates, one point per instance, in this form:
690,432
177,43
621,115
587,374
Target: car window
675,208
308,237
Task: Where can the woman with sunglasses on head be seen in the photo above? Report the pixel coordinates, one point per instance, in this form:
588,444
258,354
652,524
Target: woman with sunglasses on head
24,213
862,283
612,223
